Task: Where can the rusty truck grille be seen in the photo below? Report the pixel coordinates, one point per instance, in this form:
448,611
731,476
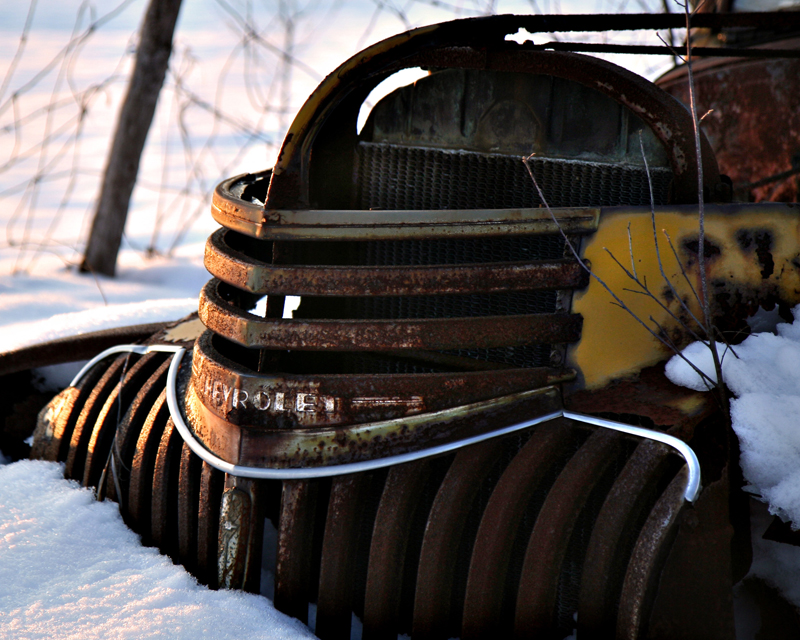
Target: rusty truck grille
514,536
530,312
427,339
396,305
405,308
430,252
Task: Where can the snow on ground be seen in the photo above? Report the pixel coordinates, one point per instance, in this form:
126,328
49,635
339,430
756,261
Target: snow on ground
70,568
764,375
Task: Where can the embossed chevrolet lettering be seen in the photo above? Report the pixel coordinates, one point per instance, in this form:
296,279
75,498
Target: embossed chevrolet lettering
226,398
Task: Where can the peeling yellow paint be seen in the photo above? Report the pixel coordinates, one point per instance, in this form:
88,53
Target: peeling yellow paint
614,344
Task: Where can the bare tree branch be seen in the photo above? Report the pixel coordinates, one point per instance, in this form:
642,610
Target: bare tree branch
152,60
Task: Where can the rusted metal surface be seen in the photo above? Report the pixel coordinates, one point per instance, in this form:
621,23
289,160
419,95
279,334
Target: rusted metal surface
246,398
294,575
288,448
218,534
189,479
615,531
649,395
234,521
111,415
212,482
433,604
335,599
57,420
555,524
241,524
164,502
697,52
652,546
143,466
183,499
627,22
255,489
449,361
753,138
84,425
311,224
369,335
387,554
127,434
110,400
243,272
491,554
329,224
681,608
443,46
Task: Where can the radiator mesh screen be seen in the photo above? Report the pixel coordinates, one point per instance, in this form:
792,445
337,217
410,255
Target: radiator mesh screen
396,177
457,250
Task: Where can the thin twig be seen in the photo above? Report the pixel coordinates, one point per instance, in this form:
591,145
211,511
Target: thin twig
701,245
710,382
680,264
656,245
630,249
670,46
646,292
728,345
617,300
701,261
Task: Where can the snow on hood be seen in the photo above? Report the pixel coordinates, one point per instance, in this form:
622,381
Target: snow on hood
23,334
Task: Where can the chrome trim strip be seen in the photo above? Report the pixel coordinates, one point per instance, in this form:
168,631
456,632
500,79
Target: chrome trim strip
693,482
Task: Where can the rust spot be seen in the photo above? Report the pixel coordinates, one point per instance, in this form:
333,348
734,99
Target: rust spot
743,125
760,241
710,250
648,399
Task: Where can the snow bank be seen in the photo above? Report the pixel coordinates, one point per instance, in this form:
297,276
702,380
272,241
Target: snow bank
70,568
44,304
22,334
765,378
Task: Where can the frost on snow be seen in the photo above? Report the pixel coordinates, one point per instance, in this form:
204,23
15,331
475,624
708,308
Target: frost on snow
70,569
